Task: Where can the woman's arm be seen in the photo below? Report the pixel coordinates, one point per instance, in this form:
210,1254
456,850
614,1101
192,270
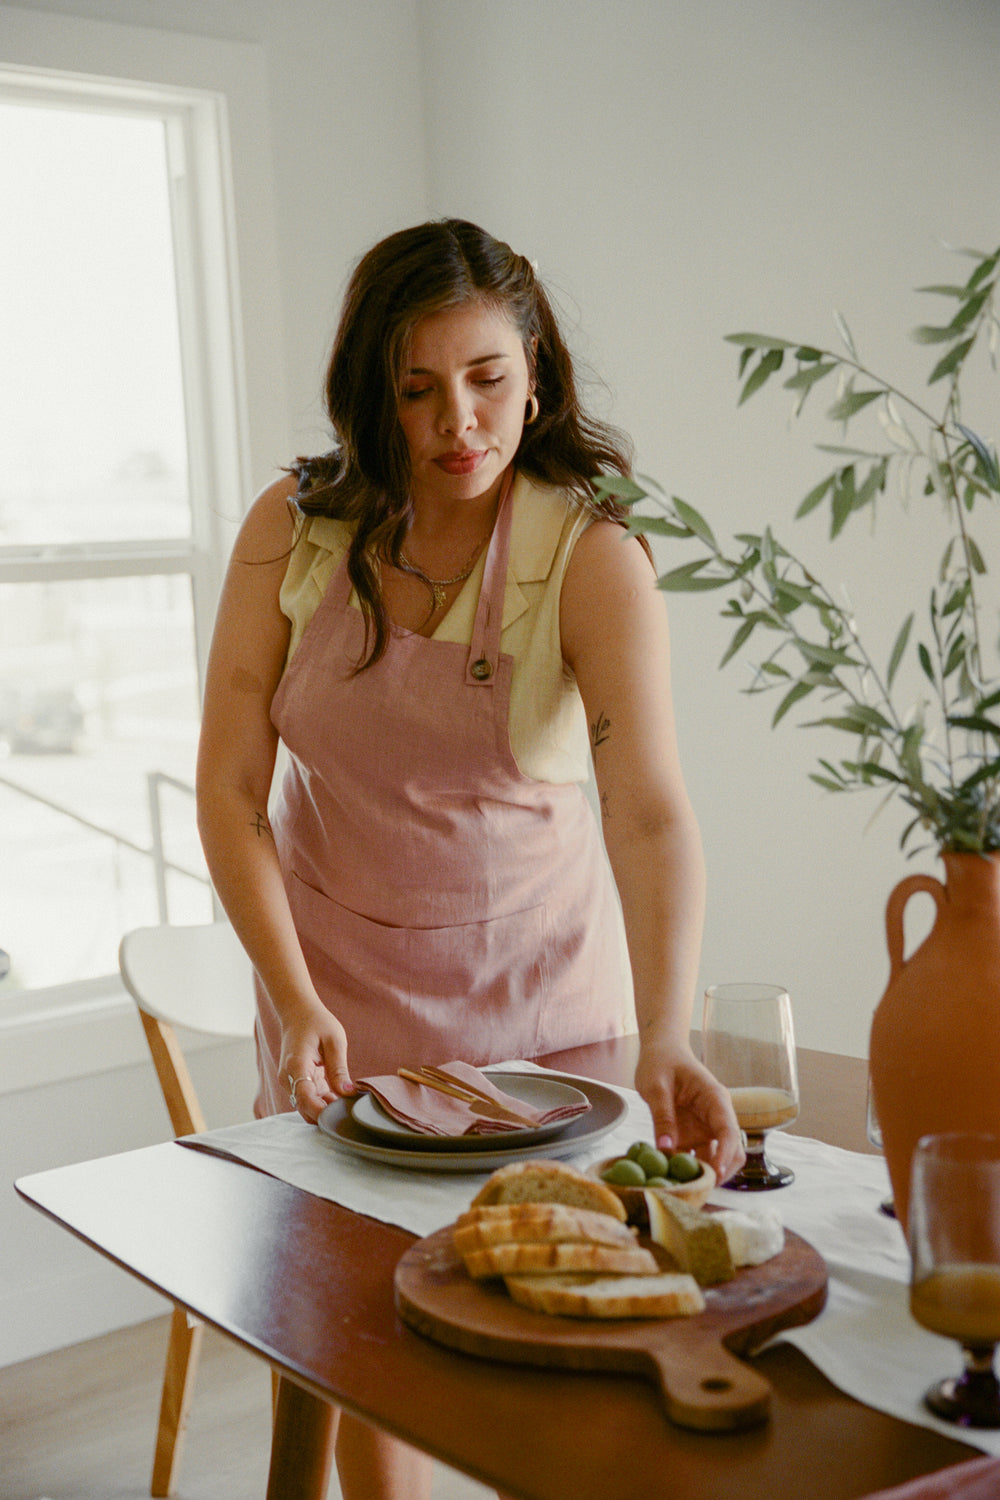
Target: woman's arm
236,757
615,640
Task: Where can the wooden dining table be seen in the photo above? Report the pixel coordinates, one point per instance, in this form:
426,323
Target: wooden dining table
307,1286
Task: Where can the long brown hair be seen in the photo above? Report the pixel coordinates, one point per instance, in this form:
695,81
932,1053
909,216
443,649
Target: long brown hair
365,478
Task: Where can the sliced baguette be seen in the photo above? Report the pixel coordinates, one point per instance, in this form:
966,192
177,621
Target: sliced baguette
548,1182
547,1259
530,1223
666,1295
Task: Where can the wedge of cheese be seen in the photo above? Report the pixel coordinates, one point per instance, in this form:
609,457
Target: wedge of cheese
665,1295
753,1237
695,1241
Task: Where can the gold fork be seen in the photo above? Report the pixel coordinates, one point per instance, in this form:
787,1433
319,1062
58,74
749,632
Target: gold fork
478,1102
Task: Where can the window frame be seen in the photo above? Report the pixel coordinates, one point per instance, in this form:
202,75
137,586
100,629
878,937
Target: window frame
203,224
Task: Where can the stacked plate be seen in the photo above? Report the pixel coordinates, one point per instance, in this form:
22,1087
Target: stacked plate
361,1127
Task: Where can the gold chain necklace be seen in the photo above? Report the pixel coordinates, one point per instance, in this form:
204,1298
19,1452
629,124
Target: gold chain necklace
438,586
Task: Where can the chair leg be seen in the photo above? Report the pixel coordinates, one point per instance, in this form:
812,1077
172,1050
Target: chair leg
175,1403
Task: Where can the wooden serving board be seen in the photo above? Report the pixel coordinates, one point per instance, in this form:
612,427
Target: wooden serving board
692,1359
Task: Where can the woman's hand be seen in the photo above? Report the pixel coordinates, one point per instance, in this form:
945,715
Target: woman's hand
313,1062
690,1108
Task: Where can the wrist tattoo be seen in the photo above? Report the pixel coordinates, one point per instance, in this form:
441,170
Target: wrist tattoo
600,730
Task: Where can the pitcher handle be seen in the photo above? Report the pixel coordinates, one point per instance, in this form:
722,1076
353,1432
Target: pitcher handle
895,907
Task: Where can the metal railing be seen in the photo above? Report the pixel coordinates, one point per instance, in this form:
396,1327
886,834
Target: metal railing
155,850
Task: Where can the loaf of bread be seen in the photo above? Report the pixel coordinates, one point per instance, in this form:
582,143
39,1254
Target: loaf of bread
543,1223
665,1295
695,1240
548,1182
550,1259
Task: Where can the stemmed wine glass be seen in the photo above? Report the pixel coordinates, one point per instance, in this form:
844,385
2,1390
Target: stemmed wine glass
954,1233
749,1045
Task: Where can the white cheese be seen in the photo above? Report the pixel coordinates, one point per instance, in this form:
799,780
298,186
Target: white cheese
753,1238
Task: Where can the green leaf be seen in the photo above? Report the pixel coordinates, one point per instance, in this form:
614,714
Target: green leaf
687,579
898,649
925,662
656,526
988,460
945,291
801,690
740,638
974,722
769,363
850,403
815,496
758,341
829,786
928,334
951,361
696,522
826,656
617,484
807,378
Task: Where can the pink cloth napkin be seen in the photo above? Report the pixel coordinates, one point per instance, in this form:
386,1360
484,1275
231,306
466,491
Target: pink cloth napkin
433,1113
978,1479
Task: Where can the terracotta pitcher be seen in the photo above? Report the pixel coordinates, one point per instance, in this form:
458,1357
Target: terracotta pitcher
935,1038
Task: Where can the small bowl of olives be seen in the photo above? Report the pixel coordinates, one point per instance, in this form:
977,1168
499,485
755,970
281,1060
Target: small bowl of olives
644,1167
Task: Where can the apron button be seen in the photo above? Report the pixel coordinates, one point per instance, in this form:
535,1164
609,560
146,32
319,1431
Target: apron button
481,669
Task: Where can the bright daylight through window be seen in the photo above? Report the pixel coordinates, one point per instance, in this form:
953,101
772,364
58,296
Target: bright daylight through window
103,528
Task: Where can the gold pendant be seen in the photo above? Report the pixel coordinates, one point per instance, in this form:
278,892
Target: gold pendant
439,595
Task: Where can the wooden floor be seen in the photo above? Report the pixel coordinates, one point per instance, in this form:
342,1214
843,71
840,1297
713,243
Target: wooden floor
79,1424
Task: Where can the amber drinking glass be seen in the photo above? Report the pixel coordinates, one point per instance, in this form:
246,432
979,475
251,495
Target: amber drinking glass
748,1043
954,1232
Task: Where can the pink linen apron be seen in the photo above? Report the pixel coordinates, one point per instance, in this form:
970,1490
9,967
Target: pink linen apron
447,905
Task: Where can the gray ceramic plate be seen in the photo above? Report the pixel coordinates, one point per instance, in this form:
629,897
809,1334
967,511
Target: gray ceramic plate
607,1109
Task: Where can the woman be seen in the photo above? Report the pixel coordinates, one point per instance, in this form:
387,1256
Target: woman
429,618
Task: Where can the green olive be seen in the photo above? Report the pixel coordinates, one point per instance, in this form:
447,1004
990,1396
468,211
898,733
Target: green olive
652,1161
683,1167
624,1173
655,1182
633,1151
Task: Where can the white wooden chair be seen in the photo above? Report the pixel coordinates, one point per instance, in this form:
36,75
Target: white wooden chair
198,978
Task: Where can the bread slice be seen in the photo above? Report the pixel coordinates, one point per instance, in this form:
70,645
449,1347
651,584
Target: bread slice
529,1223
548,1182
695,1240
548,1259
666,1295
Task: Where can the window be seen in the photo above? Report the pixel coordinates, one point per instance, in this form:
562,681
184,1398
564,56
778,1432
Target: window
118,452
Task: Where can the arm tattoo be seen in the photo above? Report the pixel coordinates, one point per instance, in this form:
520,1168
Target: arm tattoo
605,806
260,823
600,730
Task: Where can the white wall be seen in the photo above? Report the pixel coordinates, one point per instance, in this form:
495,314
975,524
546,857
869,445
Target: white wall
680,171
685,171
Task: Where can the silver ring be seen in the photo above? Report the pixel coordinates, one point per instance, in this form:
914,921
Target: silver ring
293,1084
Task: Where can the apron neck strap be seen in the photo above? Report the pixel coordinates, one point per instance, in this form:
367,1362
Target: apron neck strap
484,650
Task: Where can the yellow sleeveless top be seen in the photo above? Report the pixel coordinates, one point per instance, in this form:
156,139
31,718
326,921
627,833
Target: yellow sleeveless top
548,729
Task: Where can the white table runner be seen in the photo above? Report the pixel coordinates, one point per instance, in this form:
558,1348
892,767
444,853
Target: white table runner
864,1341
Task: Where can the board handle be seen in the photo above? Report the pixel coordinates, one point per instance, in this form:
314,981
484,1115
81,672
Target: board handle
710,1390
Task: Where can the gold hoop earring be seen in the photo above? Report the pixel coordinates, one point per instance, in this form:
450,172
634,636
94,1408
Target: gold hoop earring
532,412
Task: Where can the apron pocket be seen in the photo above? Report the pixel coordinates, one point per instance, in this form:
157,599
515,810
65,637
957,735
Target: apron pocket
474,990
